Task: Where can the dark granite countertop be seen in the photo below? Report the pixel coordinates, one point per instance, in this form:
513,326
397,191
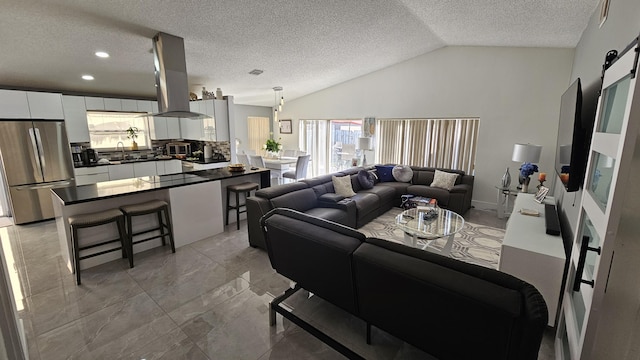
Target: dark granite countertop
115,188
206,161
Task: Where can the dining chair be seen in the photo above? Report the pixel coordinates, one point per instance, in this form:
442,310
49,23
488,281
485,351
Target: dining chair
289,153
256,160
300,172
243,159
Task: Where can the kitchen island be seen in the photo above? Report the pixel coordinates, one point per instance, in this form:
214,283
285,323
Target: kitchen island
196,199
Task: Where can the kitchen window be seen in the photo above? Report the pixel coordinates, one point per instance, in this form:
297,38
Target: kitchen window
106,129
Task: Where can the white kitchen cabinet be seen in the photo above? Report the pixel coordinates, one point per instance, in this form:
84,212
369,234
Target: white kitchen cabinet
195,106
157,128
173,166
144,106
198,167
112,104
222,120
147,168
191,129
91,175
94,103
164,128
121,171
129,105
165,167
173,128
44,105
75,118
14,105
154,107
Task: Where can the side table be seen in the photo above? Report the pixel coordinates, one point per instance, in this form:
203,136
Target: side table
503,201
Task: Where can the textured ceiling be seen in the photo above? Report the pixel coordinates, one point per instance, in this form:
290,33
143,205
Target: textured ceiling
302,45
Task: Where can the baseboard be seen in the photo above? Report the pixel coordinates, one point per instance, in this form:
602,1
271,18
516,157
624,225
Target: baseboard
484,205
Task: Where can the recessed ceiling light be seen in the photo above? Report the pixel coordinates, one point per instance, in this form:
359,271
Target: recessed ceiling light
102,54
87,77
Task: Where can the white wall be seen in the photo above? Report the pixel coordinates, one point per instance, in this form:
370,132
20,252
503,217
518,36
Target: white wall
620,28
514,91
239,121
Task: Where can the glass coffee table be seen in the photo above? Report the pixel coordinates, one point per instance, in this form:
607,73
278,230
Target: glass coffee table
422,225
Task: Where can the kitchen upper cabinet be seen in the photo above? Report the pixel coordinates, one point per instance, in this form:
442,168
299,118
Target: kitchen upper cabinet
147,168
122,171
129,105
44,105
154,107
94,103
173,128
222,120
75,118
113,104
144,106
14,105
164,128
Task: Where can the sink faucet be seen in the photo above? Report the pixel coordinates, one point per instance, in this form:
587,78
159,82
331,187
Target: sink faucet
120,144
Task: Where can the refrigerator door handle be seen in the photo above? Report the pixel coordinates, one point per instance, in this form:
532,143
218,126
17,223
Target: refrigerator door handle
36,154
50,185
40,151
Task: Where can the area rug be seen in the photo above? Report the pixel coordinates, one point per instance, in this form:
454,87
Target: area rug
476,244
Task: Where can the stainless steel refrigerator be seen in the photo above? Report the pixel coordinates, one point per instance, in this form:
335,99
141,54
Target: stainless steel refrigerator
36,158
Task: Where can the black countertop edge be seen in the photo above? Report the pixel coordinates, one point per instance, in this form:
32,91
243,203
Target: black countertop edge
206,161
116,188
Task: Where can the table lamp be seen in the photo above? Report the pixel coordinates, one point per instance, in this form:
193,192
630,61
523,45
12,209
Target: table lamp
525,153
364,143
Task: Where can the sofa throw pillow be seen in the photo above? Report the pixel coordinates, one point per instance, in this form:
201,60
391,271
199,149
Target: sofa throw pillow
365,179
342,185
402,173
385,173
444,180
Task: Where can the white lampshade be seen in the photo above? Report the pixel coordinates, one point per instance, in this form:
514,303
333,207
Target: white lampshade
364,143
526,153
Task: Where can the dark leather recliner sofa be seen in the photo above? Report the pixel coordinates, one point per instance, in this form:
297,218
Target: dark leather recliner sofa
449,309
316,197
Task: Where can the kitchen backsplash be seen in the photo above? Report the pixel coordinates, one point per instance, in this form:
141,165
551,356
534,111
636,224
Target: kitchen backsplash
158,148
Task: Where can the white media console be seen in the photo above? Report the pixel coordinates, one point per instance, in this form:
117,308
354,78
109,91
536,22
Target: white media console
531,255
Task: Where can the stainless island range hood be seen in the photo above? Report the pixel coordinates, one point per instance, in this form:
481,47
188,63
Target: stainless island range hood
171,77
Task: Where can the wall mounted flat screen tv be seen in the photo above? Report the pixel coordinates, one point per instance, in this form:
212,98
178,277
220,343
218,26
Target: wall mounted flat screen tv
577,116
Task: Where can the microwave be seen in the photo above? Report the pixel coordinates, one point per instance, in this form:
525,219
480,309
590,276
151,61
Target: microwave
178,148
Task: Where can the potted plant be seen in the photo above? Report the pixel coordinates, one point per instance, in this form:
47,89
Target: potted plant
132,133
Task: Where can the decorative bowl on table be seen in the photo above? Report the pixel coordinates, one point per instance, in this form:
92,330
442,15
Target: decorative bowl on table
236,167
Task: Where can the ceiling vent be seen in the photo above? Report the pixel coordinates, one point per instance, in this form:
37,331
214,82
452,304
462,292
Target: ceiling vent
256,72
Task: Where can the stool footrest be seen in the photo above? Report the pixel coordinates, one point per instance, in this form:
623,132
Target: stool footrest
162,234
101,252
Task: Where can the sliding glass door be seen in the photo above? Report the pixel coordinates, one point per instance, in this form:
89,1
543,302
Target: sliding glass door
331,143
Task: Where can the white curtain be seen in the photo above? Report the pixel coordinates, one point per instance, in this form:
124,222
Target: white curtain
314,139
258,128
445,143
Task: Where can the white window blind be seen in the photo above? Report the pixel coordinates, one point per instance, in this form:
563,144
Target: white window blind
443,143
258,128
107,129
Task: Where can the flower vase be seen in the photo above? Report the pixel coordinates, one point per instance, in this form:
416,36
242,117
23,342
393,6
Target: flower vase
525,184
506,179
134,145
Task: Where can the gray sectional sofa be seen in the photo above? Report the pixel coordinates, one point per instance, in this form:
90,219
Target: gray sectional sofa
316,197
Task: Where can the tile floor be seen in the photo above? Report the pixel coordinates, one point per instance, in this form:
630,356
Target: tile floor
209,300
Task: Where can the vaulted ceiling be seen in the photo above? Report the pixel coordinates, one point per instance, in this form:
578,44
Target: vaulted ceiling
302,45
